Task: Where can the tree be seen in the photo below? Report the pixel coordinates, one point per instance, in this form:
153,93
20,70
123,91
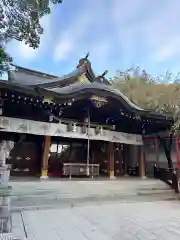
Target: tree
19,19
5,61
161,94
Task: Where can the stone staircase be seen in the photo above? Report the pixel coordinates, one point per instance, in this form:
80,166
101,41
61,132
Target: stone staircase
43,195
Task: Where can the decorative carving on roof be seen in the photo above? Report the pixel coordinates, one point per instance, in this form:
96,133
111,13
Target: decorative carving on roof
84,61
98,101
102,79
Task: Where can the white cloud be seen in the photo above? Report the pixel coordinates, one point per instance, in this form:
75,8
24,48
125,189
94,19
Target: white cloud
69,38
100,52
131,30
124,15
85,23
168,50
151,26
25,52
63,49
124,11
161,33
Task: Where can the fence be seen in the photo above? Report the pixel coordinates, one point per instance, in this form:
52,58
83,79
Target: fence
169,176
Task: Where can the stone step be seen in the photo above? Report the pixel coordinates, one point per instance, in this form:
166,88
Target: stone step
5,190
54,195
46,202
9,236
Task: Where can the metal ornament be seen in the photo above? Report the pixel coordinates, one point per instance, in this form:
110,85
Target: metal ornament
98,101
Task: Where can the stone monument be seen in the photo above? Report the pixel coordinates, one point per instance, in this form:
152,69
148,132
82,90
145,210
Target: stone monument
5,189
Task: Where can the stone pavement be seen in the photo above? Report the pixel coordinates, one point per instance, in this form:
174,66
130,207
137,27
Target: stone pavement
108,221
43,194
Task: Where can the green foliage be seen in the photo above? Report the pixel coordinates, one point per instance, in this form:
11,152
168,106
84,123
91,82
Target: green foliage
5,60
150,94
19,19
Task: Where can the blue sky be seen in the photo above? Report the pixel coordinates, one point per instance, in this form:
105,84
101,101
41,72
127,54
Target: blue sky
117,33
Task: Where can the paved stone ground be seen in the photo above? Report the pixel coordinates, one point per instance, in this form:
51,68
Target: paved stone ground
80,187
109,221
127,209
49,194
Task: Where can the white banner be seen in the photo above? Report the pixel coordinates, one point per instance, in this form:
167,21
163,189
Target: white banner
59,129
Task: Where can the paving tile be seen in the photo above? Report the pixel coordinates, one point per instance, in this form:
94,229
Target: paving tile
17,225
125,221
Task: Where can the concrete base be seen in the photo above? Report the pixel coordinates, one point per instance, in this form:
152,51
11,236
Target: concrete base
44,178
143,177
44,174
112,177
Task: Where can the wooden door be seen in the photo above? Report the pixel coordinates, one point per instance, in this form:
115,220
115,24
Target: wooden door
25,159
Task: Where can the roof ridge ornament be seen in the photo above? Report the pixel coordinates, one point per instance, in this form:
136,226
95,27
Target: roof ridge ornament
103,74
87,55
84,61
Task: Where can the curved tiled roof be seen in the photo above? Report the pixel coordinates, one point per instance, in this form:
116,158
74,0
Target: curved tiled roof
67,87
78,89
29,77
32,78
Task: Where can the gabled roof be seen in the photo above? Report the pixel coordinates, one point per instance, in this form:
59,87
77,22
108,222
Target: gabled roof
62,89
94,88
34,72
29,77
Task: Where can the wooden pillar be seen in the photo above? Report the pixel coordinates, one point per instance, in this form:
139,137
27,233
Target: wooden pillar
126,157
44,170
157,151
111,160
142,163
177,152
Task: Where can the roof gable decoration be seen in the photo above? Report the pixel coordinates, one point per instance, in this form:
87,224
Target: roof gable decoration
83,79
98,101
89,73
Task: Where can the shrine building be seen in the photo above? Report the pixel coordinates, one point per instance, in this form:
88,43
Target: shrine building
76,125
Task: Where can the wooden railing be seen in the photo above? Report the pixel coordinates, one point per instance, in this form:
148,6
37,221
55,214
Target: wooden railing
169,176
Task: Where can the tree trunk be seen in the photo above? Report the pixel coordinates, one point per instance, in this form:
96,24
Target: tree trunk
167,149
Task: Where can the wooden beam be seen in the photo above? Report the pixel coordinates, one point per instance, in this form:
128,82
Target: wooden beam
142,163
45,159
111,159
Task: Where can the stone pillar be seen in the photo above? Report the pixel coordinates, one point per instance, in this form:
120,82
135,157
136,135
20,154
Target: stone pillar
111,160
5,149
44,170
142,163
